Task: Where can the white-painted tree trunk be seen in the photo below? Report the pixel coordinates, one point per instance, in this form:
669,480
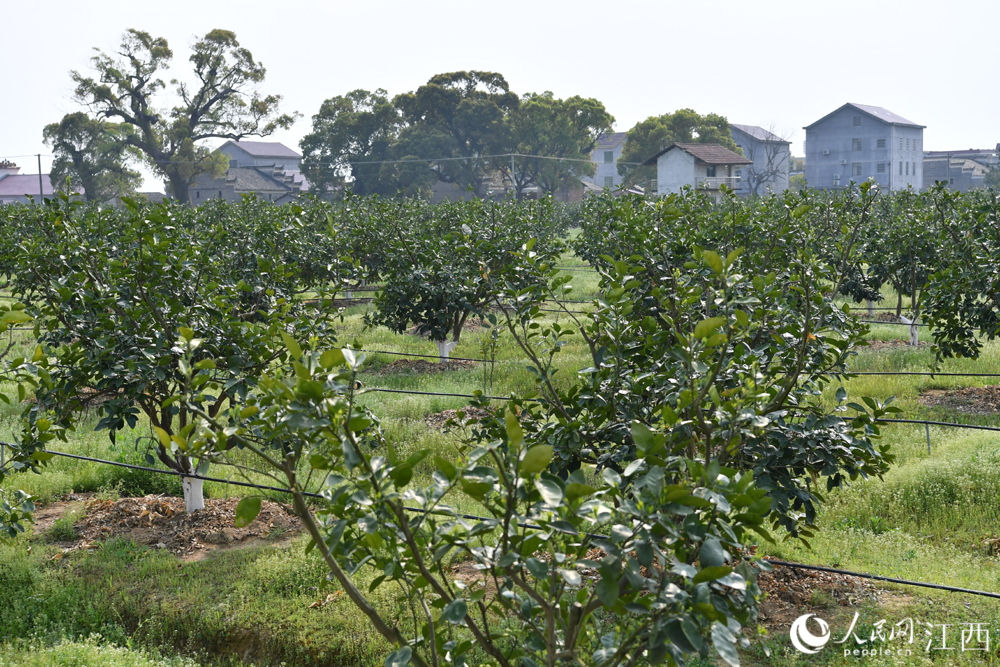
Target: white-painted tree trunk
914,336
194,497
444,349
871,308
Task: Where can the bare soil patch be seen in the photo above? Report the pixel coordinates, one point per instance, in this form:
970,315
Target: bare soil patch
792,592
970,400
439,419
424,366
161,523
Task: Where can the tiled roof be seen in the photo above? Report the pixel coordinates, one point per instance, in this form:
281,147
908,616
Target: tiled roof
759,133
265,148
707,153
610,140
19,185
881,114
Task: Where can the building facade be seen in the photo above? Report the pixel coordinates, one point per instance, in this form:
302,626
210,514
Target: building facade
605,156
705,167
18,188
267,169
857,142
770,156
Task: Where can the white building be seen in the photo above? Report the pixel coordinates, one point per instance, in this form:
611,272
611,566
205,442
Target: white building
18,188
702,166
267,169
605,156
771,157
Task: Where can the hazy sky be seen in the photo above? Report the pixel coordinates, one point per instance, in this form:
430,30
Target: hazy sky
771,62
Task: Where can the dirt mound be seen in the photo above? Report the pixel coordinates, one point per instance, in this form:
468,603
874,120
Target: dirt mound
970,400
439,419
161,523
423,366
892,344
791,590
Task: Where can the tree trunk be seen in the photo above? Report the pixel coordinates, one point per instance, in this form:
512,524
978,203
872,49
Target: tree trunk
194,497
871,308
444,349
899,303
180,190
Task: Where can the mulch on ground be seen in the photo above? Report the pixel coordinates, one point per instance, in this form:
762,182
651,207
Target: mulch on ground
439,419
970,400
161,523
792,592
424,366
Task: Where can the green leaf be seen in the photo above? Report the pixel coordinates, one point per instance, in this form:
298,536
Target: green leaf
455,612
607,591
188,334
801,210
446,467
331,358
712,573
724,643
576,490
292,345
515,434
642,436
713,260
246,511
15,317
705,328
712,553
536,459
551,493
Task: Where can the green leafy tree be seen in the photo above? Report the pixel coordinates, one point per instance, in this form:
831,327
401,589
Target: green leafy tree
223,104
652,135
458,115
564,131
93,155
350,134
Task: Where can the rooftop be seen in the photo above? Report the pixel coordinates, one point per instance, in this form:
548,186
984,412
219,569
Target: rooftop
760,134
610,140
19,185
264,148
707,153
879,113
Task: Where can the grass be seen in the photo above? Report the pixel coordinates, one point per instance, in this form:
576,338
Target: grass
932,518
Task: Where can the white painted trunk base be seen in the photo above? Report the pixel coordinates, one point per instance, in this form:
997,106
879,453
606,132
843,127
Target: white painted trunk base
914,335
194,497
871,308
444,349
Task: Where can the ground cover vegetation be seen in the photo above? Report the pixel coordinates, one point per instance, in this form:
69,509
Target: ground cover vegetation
689,416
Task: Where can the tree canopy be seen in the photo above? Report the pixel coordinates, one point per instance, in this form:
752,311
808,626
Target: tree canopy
655,133
93,155
224,104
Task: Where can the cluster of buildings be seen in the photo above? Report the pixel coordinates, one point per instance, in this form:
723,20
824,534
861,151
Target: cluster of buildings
855,143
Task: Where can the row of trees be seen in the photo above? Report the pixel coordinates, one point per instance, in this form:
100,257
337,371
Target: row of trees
460,128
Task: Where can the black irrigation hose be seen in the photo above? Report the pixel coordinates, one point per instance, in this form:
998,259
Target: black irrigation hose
436,393
863,575
529,526
925,373
423,356
897,324
933,423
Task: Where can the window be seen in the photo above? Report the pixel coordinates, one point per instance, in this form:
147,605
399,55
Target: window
220,193
710,171
197,195
951,181
856,169
232,164
914,168
855,144
880,168
900,144
907,168
900,164
609,181
881,143
857,121
907,144
739,173
609,157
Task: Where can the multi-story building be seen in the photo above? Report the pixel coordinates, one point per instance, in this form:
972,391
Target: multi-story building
771,157
857,142
605,156
267,169
706,167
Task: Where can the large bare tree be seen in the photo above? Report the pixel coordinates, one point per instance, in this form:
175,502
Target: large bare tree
770,154
223,103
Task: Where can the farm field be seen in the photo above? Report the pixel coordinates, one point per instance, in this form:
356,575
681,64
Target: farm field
114,571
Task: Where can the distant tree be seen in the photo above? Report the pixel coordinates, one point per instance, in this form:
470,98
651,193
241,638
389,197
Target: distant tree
350,134
456,115
545,126
652,135
223,105
93,155
797,182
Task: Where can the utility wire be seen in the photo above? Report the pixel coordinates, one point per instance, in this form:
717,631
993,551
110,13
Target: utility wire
529,526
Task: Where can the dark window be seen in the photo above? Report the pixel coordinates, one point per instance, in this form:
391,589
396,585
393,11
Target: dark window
609,181
951,181
710,171
220,193
232,164
881,168
609,157
855,144
856,169
901,164
857,121
881,143
197,195
907,168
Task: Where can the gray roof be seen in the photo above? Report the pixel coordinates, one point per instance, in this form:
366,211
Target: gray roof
264,148
610,140
19,185
879,113
707,153
760,134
